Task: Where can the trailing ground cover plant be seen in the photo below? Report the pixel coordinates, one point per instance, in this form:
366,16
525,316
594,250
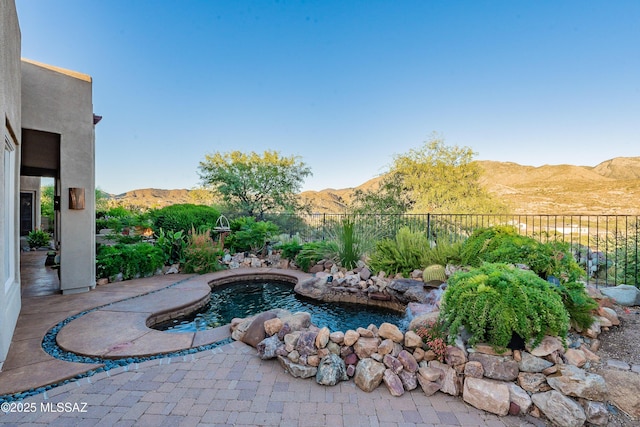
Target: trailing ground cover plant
201,255
496,303
548,260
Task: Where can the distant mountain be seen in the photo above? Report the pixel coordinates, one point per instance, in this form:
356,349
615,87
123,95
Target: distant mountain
612,187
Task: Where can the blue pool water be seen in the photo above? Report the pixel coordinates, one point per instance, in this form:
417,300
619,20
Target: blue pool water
244,299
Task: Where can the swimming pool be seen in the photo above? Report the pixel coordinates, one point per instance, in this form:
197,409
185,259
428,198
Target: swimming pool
247,298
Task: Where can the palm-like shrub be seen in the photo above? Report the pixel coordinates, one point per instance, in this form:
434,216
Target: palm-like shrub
497,303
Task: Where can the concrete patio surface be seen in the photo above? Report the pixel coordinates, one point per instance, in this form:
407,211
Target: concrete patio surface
226,385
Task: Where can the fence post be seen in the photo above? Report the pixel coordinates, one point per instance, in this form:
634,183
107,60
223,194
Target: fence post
324,224
429,226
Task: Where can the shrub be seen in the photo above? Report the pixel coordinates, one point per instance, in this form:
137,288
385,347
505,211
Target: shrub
290,249
201,255
497,303
249,235
172,245
434,337
38,238
443,253
184,217
403,254
312,252
137,260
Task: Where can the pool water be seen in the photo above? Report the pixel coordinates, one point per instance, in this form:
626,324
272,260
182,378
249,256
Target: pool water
244,299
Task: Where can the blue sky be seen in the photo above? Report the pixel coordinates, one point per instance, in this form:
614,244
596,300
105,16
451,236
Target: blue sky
345,85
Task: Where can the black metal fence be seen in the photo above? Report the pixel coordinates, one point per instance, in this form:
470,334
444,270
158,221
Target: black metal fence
606,246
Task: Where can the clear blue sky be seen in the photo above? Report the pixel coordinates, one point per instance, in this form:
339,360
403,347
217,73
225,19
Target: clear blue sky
345,85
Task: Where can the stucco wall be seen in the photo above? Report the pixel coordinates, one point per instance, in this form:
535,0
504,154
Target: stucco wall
60,101
10,114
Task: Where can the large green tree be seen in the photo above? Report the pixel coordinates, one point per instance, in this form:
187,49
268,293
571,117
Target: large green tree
255,184
433,178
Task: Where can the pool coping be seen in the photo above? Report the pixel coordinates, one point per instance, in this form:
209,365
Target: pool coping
142,302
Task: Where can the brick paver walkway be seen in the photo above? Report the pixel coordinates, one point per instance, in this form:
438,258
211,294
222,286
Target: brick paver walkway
230,385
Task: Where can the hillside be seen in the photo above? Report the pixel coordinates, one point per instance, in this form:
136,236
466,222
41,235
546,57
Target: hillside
612,187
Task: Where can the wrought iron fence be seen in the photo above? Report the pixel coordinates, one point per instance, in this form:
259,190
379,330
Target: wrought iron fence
607,246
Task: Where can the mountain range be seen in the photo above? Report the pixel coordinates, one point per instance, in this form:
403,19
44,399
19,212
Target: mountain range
610,188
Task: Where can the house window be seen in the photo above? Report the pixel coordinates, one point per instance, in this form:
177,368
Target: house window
8,221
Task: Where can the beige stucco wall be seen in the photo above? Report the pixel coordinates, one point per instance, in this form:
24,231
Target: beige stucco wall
10,114
60,101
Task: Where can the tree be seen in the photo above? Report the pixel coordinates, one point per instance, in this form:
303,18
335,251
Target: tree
434,178
255,184
387,198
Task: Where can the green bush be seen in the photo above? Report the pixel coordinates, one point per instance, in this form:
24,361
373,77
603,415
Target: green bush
497,302
38,239
312,252
172,245
443,253
403,254
248,235
290,249
137,260
504,244
184,217
201,255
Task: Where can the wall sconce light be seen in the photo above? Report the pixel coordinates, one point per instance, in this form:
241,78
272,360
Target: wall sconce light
76,198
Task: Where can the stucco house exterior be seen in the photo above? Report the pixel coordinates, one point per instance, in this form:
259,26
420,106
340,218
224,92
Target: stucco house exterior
47,131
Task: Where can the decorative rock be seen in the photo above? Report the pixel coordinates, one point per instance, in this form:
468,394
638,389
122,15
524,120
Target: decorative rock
294,356
626,295
576,382
365,273
561,410
369,374
624,391
385,347
351,359
377,357
409,379
618,364
297,321
473,370
390,331
408,361
267,347
322,339
331,370
497,367
333,348
297,370
392,363
345,351
610,314
418,354
337,337
350,337
595,345
520,397
454,356
424,319
430,374
255,332
306,344
365,333
393,383
575,357
547,346
429,355
412,340
351,370
594,330
450,382
531,363
314,360
273,326
490,396
365,347
591,356
596,413
428,387
488,349
533,382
